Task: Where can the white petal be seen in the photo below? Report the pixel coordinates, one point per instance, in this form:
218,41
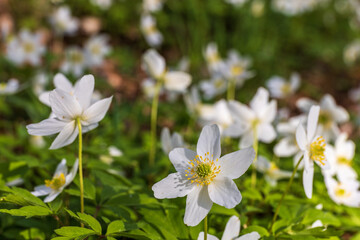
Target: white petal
177,140
232,228
266,133
96,112
84,89
61,168
247,139
250,236
52,196
61,82
180,158
154,63
301,137
46,127
64,105
235,164
270,112
166,140
308,176
70,177
209,142
45,98
177,81
304,104
198,205
41,190
209,236
312,122
240,111
286,147
223,191
260,99
66,136
173,186
90,127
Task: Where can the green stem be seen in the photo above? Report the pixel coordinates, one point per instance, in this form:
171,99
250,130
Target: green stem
154,110
284,194
255,146
231,89
80,168
205,227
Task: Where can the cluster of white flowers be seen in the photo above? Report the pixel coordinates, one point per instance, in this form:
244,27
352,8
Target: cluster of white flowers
148,23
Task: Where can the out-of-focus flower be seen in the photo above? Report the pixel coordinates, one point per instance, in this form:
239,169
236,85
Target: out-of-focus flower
103,4
15,182
343,192
154,65
68,109
237,3
204,177
39,82
56,185
170,142
113,152
313,149
63,22
213,87
213,58
75,61
148,27
254,121
152,5
257,8
11,87
203,112
271,171
354,94
27,47
280,88
294,7
352,52
330,115
37,141
231,232
96,48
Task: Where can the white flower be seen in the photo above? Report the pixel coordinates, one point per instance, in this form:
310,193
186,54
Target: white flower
26,48
11,87
231,232
204,177
56,185
203,112
152,5
330,115
352,52
340,158
354,94
68,108
63,22
346,192
271,171
217,85
256,120
96,48
39,82
74,62
115,152
294,7
170,142
280,88
237,3
154,65
148,27
313,149
37,141
213,59
103,4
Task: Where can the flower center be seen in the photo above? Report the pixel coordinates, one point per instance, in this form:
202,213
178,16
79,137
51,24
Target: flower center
76,57
343,161
286,88
236,70
213,58
202,170
3,86
273,167
150,29
219,83
325,119
317,150
96,50
28,47
341,192
57,182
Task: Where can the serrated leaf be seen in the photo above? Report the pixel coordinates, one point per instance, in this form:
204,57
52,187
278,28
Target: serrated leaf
74,232
91,222
28,211
115,227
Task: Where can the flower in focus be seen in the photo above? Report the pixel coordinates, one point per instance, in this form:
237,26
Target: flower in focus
271,171
231,232
313,149
63,22
170,142
68,109
343,192
330,115
154,65
148,27
280,88
204,177
75,61
11,87
254,121
96,48
27,47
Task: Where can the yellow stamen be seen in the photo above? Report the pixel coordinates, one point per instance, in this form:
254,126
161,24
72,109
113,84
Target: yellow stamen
202,170
286,89
237,70
344,161
341,192
57,182
317,150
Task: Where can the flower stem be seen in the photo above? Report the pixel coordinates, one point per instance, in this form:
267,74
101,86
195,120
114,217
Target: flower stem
205,227
154,110
256,147
283,196
231,89
80,168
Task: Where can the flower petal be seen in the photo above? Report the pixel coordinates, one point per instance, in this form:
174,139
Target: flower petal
46,127
235,164
198,205
209,236
45,98
52,196
308,176
41,190
247,139
61,82
286,147
301,137
312,122
180,158
84,89
90,127
64,105
166,140
209,142
240,111
154,63
70,177
96,112
232,228
173,186
223,191
66,136
177,81
61,168
266,133
249,236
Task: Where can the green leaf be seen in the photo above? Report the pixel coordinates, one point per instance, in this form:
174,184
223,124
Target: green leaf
61,238
110,238
74,232
91,222
262,231
89,189
23,197
28,211
115,227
